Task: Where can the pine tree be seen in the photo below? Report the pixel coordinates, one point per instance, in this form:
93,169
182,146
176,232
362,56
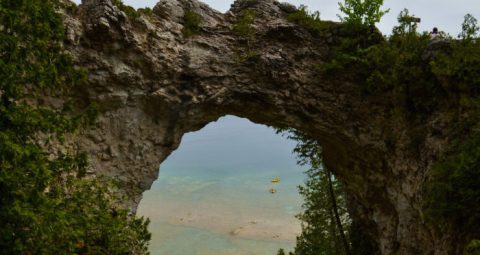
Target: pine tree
46,204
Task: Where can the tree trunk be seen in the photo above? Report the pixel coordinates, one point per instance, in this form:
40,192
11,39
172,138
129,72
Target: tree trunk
346,246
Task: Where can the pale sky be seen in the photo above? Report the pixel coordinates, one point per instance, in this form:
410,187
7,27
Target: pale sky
447,15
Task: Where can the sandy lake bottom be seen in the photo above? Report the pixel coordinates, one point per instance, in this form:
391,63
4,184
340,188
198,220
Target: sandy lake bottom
213,194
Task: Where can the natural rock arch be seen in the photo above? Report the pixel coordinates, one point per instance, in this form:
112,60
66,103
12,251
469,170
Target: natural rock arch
153,85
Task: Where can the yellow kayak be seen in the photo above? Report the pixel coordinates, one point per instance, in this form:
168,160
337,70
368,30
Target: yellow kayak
276,180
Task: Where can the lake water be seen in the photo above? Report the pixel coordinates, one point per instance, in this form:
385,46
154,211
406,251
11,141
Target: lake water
213,194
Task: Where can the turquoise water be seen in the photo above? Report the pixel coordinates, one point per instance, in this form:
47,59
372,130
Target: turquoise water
212,195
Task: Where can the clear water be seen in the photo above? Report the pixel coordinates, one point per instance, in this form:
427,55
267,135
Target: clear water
212,195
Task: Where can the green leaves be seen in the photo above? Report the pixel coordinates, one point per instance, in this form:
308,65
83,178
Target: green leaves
321,233
452,190
45,206
461,66
310,21
243,26
37,62
417,80
128,10
362,12
191,23
470,28
407,24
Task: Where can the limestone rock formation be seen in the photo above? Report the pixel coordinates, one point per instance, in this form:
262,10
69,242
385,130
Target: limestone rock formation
153,85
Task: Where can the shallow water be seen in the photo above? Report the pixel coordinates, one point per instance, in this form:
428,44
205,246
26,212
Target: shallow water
212,195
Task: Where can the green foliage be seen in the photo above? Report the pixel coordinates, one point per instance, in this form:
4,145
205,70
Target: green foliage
191,23
72,216
394,69
407,24
398,67
244,25
362,12
417,77
349,53
46,206
245,29
310,21
470,28
473,247
146,11
452,192
462,65
128,10
459,68
321,232
404,71
362,244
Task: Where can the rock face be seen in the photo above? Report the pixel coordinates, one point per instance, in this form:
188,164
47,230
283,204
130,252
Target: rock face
153,85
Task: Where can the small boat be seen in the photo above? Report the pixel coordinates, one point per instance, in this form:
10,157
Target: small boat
273,191
276,180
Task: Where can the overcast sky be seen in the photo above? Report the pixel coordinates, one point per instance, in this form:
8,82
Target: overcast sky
447,15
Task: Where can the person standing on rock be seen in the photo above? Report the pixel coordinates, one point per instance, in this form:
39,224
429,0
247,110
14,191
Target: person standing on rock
434,34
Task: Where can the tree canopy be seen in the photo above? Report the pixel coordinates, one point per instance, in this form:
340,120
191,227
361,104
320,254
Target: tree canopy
48,205
362,12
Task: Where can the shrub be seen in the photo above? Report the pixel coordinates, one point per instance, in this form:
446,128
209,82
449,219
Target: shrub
310,21
452,194
470,28
128,10
461,65
362,12
406,24
147,11
244,27
191,23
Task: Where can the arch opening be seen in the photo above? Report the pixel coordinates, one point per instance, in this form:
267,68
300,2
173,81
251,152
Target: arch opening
213,194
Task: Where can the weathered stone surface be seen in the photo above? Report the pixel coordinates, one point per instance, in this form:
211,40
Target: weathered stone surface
153,85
